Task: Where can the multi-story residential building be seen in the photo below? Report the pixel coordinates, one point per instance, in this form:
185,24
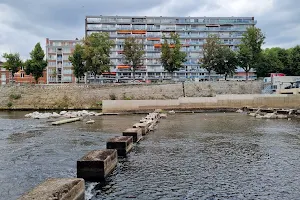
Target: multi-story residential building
192,31
59,69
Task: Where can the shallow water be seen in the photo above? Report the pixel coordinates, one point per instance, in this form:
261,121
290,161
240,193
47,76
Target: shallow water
189,156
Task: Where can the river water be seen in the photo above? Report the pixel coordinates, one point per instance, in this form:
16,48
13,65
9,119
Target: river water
189,156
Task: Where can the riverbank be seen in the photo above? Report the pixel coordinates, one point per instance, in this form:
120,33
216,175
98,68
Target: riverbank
90,97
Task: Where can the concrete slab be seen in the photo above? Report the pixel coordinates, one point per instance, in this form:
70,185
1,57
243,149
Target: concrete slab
136,133
123,144
59,188
97,164
144,126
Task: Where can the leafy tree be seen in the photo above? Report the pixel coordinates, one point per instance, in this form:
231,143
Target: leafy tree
12,63
210,50
226,61
133,53
36,64
96,53
78,62
295,60
250,49
171,56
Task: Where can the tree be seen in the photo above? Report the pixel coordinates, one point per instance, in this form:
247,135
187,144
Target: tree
96,53
171,56
250,49
210,49
36,64
78,62
133,53
226,61
295,60
12,63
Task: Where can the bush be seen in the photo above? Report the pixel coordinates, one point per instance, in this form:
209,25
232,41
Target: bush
9,104
15,96
112,96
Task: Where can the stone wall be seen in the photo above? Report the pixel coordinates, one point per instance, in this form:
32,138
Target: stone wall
91,96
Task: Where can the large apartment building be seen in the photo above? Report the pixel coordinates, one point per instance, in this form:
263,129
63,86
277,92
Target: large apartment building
192,31
59,69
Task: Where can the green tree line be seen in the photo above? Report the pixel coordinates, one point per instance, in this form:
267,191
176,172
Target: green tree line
93,55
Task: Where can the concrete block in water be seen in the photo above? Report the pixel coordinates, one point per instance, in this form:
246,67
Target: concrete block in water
144,126
136,133
64,121
123,144
97,164
60,188
163,116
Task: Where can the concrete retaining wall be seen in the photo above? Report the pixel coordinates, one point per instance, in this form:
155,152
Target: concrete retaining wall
193,103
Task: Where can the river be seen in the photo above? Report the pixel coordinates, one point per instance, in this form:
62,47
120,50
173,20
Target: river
189,156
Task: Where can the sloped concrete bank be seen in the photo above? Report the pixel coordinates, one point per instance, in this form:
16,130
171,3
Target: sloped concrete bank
220,102
84,97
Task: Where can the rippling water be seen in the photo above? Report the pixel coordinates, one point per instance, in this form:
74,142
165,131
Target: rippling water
189,156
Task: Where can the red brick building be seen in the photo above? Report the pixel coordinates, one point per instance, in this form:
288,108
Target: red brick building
19,77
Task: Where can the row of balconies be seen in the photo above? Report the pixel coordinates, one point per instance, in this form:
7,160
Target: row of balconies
204,36
99,28
169,20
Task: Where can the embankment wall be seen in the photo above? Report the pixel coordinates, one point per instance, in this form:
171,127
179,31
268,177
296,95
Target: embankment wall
90,96
204,103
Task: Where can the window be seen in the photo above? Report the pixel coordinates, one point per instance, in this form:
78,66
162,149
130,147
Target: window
22,75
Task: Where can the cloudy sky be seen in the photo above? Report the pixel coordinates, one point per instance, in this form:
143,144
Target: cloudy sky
23,23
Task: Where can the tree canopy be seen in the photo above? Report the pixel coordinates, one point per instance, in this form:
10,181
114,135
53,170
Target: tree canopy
97,48
78,62
13,62
36,64
226,61
172,58
249,53
133,53
210,51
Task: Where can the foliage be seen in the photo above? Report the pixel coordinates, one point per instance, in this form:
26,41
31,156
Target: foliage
9,104
112,96
78,62
36,64
226,61
15,96
133,53
295,60
13,62
96,53
210,50
249,53
172,58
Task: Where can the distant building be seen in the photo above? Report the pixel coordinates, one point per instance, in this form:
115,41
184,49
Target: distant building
192,31
22,78
5,75
59,68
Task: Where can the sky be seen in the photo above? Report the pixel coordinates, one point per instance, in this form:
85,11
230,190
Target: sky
23,23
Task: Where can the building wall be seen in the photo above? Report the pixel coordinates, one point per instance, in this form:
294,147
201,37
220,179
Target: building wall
192,31
22,78
19,77
59,69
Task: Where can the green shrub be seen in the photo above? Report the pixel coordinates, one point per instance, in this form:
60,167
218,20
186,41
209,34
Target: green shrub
9,104
15,96
112,96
